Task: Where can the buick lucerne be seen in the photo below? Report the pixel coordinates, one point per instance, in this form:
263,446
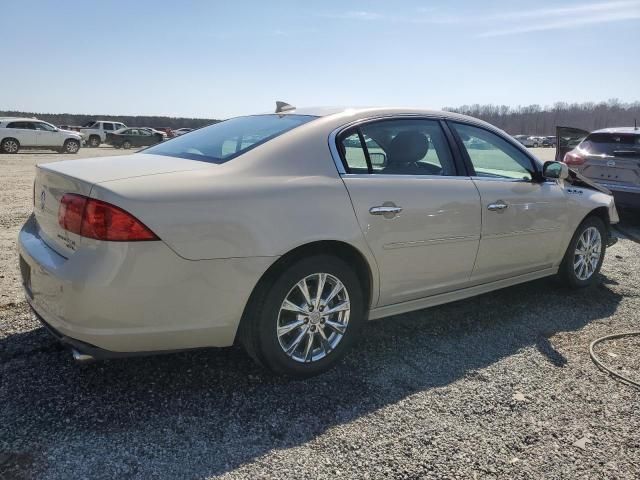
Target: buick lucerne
285,232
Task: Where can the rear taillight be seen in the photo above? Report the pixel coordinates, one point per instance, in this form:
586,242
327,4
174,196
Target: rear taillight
100,220
573,159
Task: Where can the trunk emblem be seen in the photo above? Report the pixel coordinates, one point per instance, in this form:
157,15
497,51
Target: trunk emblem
611,163
43,197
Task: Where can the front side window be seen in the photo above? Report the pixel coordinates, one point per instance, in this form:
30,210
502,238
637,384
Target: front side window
45,127
492,156
397,147
223,141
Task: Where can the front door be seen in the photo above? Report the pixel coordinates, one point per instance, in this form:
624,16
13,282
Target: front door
524,219
421,220
47,135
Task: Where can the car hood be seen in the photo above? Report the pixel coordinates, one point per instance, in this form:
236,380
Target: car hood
105,169
581,181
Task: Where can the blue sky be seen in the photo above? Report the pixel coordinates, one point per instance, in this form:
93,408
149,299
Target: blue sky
219,59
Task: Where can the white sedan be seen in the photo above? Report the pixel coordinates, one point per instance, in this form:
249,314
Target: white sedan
287,231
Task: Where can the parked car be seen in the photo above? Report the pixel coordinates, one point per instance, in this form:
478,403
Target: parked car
549,141
182,131
527,140
133,137
31,133
289,239
153,131
166,130
95,132
610,157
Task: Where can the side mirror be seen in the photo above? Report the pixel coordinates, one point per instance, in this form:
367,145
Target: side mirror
555,170
378,159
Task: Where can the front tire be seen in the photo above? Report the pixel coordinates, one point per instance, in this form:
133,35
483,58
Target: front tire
302,321
71,146
10,145
585,254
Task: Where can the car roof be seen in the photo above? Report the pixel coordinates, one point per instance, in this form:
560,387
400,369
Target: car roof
618,130
20,119
356,113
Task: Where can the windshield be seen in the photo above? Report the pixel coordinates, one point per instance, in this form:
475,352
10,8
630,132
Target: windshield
220,142
612,144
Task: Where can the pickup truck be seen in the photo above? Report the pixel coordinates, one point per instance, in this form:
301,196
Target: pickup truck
95,132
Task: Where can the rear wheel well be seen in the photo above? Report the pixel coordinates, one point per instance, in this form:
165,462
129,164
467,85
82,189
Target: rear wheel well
347,253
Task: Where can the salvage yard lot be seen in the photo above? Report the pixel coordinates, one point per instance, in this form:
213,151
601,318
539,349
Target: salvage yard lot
497,386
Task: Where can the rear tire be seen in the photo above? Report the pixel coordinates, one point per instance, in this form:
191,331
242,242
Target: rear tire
585,254
94,141
323,338
126,144
10,145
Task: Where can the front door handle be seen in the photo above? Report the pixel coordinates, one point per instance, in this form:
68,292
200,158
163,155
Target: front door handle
498,206
386,210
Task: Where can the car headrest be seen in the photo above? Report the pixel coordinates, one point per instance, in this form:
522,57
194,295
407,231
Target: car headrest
407,147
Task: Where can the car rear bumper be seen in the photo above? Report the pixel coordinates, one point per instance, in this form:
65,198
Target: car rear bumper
138,297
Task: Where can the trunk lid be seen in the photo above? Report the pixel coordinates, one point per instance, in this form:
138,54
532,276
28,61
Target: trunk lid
612,169
53,180
49,188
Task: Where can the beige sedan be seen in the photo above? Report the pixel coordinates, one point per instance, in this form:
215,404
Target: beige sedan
287,231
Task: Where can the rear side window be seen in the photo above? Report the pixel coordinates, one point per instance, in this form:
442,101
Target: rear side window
107,126
220,142
22,125
612,144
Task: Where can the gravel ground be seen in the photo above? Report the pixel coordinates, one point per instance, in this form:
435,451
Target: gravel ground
498,386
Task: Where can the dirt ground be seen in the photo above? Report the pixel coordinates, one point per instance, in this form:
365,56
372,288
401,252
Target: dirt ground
496,386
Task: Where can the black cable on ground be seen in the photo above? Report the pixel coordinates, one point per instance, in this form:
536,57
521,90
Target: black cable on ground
602,366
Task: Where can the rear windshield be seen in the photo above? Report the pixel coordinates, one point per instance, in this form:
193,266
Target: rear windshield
612,144
220,142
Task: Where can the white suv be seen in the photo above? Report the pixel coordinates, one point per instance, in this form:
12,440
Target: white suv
19,133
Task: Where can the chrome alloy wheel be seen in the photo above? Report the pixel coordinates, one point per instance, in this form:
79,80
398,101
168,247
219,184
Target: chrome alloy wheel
10,146
73,147
587,254
313,317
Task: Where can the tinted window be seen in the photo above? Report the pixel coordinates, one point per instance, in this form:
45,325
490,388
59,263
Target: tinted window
398,147
493,156
612,144
107,126
22,125
223,141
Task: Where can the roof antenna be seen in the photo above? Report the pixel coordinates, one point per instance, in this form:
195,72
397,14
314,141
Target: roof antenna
282,107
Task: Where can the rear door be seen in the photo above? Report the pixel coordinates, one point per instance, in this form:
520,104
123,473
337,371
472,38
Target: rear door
24,132
420,219
523,219
568,138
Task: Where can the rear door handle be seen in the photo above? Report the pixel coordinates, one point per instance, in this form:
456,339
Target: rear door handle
386,210
498,206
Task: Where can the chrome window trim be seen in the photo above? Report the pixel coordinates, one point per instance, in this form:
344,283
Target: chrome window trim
335,154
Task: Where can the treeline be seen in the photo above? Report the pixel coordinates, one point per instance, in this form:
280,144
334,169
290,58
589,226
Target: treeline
539,120
128,120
